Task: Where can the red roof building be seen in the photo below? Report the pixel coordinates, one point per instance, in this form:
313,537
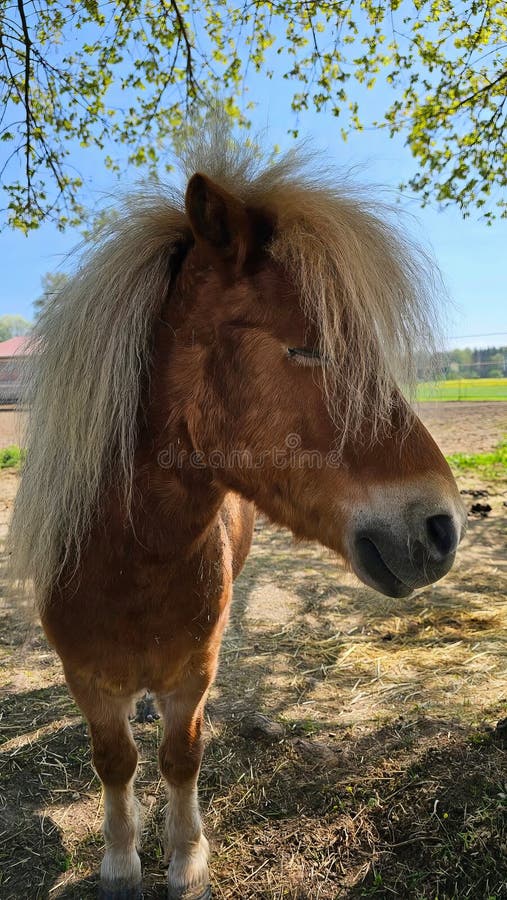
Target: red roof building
15,346
12,353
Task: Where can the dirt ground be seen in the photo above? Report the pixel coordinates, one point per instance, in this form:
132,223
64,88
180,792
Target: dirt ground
380,769
465,427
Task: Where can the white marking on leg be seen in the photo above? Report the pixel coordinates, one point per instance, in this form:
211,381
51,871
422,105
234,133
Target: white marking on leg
121,861
185,842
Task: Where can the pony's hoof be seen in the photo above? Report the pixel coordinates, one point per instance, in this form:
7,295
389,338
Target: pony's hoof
120,891
198,893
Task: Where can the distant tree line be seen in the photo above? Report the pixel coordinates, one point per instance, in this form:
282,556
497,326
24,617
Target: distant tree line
490,362
13,326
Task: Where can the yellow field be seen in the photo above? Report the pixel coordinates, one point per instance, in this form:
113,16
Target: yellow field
464,389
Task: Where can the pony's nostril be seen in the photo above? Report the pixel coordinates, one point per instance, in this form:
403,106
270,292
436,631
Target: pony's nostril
442,534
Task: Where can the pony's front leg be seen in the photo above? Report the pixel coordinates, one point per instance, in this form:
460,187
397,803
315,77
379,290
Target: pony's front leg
180,759
115,761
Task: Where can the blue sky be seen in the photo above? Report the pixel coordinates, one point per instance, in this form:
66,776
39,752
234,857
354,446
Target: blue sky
470,254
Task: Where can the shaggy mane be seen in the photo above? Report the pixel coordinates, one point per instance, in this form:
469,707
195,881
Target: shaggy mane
368,291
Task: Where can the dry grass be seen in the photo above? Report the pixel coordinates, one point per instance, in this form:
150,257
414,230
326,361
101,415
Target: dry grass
387,780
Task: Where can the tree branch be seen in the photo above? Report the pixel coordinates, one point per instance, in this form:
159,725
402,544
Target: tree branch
188,48
483,90
28,46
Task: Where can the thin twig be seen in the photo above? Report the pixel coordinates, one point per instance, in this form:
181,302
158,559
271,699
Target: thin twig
188,48
28,46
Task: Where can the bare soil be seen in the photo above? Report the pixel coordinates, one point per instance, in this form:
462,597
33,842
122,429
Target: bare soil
386,775
461,428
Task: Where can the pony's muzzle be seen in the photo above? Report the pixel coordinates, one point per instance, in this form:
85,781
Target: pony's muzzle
396,558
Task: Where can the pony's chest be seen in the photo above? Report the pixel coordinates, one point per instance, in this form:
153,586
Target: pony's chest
122,626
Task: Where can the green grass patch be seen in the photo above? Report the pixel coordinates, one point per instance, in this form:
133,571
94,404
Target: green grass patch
463,389
11,457
492,465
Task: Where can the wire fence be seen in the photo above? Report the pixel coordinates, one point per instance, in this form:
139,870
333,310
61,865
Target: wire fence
474,379
485,368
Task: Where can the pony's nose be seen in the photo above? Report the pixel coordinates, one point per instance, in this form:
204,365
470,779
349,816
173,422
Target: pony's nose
398,554
442,536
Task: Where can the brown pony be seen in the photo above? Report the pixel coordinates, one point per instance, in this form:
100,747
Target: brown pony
237,348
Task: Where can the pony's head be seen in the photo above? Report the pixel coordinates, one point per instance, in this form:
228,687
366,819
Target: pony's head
292,311
291,314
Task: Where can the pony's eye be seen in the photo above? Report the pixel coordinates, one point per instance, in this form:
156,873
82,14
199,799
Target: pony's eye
304,357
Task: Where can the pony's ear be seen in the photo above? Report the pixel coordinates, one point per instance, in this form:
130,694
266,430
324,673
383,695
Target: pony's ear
222,223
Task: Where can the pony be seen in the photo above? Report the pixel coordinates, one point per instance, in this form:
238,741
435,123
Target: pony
243,345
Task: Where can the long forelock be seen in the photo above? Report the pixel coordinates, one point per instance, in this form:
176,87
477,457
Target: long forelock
370,293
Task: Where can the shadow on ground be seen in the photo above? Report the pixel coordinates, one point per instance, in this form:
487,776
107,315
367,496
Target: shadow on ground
382,779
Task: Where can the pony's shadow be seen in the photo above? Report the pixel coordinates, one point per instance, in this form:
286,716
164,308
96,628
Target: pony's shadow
33,855
55,761
49,798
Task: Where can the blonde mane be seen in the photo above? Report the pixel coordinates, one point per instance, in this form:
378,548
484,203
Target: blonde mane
368,291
